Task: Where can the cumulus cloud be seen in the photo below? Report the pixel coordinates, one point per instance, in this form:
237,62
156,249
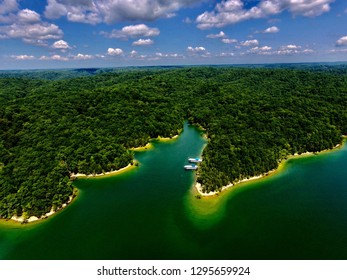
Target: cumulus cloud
133,53
308,51
196,49
26,25
229,41
139,30
27,16
234,11
226,54
333,51
288,49
341,42
36,34
272,29
84,11
262,49
61,44
54,57
8,6
188,20
7,10
169,55
23,57
291,47
221,34
83,56
250,43
115,52
143,42
265,50
282,50
110,11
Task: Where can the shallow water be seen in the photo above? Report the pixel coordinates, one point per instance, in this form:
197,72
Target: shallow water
151,212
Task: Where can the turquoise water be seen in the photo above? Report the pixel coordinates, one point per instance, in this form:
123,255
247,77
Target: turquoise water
151,212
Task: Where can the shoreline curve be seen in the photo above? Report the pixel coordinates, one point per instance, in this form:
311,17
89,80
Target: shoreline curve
199,187
74,176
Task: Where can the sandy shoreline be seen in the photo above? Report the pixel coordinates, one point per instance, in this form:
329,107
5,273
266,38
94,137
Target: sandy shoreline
198,186
149,145
31,219
126,168
164,139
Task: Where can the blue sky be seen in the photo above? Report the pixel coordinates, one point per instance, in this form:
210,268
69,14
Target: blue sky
111,33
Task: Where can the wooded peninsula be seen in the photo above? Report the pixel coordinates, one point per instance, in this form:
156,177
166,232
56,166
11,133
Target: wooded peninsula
57,123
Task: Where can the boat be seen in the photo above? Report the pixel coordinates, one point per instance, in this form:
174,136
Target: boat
191,167
196,160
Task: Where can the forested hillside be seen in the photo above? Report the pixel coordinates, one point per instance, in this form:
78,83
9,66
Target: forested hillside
51,128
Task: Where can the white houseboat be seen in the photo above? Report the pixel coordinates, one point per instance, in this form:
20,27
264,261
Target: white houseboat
191,167
195,160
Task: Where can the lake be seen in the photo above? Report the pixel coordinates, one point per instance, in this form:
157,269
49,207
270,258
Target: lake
151,212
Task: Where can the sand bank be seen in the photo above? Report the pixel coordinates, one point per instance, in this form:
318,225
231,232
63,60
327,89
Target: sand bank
126,168
148,146
165,139
31,219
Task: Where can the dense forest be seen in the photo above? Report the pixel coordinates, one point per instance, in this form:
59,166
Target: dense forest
54,124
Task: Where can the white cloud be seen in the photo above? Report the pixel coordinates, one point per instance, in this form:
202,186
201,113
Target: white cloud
250,43
290,47
229,41
83,56
262,49
188,20
341,42
143,42
27,25
221,34
54,57
133,53
265,50
23,57
110,11
169,55
224,54
196,49
7,8
61,44
114,52
288,50
337,51
36,33
272,29
55,10
27,16
282,50
234,11
139,30
84,11
308,51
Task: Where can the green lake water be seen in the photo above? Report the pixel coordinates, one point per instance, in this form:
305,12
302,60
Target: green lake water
151,212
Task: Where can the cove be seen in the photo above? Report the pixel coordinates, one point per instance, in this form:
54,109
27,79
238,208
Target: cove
151,212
